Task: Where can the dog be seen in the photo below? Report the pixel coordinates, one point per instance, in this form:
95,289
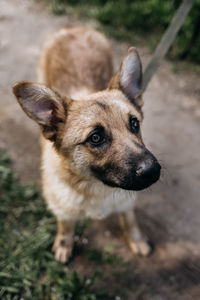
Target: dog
93,155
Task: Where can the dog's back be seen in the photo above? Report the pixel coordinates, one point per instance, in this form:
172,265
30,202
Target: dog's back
75,61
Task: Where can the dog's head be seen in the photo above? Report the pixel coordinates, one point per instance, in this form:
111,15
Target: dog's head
99,135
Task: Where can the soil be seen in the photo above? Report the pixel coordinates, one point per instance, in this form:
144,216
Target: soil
169,212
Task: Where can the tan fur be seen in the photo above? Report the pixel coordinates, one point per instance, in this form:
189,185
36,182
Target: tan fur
66,55
76,63
64,240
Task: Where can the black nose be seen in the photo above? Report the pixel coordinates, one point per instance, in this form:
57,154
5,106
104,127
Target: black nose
148,170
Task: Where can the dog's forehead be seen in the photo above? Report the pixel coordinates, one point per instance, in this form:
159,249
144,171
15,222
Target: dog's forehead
109,109
106,104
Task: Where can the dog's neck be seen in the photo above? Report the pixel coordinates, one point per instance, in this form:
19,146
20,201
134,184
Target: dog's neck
80,93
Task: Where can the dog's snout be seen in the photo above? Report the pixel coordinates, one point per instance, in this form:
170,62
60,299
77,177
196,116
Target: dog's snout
148,169
145,172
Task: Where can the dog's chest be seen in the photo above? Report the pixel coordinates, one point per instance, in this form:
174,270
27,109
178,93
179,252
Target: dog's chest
104,205
66,203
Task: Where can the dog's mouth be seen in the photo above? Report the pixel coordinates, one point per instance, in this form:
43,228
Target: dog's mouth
137,185
135,180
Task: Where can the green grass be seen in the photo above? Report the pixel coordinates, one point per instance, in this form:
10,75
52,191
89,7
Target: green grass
27,266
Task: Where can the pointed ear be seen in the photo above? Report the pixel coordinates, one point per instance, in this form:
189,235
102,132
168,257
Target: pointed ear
42,105
129,77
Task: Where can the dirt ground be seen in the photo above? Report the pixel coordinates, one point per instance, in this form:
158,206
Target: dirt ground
169,212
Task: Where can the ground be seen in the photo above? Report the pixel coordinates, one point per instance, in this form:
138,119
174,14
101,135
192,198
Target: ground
169,212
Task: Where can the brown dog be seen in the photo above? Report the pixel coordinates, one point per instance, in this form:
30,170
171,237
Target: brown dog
93,155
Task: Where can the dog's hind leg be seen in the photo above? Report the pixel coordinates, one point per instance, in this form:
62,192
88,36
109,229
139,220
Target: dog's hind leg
137,242
63,244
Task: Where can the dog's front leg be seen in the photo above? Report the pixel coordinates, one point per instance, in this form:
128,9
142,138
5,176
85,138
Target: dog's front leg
137,242
63,244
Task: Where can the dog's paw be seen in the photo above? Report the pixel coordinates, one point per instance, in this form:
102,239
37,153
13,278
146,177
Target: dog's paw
140,247
61,250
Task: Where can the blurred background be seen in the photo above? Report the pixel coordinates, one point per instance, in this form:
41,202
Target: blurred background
102,267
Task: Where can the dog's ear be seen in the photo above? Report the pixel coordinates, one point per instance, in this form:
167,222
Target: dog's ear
42,105
129,77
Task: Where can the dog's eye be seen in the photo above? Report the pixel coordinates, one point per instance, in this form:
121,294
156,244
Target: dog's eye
96,139
134,124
